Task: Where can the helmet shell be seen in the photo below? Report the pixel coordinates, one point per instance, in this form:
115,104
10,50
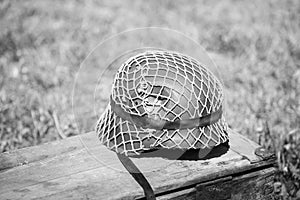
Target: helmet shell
167,86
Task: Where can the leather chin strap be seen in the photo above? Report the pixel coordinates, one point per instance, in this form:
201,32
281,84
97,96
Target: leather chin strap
146,122
138,176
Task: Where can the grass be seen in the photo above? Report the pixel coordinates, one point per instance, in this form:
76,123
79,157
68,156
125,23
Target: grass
254,43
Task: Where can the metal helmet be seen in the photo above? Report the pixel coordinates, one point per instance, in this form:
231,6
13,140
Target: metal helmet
163,99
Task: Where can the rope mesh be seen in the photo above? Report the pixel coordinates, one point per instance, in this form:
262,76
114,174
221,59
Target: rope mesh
162,86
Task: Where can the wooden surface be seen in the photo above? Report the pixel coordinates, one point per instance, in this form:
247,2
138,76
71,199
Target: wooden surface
80,168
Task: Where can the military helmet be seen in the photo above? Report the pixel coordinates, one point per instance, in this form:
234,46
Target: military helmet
163,99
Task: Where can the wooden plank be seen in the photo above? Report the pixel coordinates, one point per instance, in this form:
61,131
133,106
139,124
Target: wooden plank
243,146
251,186
43,152
80,167
239,144
73,165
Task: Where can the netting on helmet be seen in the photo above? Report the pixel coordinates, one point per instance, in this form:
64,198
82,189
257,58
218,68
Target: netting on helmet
162,86
166,85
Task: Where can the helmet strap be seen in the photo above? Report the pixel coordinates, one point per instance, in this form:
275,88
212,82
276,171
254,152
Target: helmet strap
149,123
138,176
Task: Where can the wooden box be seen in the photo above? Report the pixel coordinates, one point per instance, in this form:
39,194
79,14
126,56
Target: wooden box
81,168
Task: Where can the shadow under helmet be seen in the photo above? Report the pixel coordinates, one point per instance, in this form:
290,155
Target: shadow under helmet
163,99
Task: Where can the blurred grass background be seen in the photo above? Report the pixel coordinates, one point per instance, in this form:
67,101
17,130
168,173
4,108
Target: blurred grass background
42,44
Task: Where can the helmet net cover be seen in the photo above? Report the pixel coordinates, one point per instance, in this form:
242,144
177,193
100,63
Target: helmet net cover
166,86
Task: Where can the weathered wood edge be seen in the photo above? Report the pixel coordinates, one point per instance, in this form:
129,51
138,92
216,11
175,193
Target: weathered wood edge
215,189
246,170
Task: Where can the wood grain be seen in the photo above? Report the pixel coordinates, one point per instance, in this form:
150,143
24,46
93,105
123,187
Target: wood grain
81,168
252,186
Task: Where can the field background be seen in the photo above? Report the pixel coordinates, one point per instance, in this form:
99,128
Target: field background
42,44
